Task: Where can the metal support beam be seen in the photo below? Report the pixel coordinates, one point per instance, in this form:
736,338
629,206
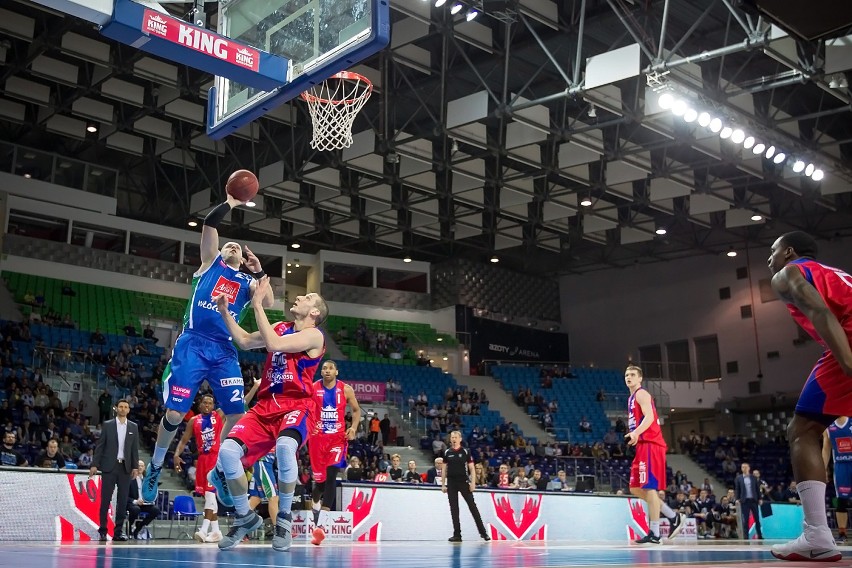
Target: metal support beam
545,50
691,30
737,17
578,56
744,45
630,30
663,26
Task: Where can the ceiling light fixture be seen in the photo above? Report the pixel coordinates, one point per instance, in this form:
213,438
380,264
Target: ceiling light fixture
251,204
809,170
770,152
779,157
704,119
661,231
289,271
798,166
726,133
679,107
666,101
737,136
91,127
192,223
757,217
439,3
471,15
817,175
758,148
749,142
295,246
494,259
716,125
690,115
406,259
586,201
457,7
731,253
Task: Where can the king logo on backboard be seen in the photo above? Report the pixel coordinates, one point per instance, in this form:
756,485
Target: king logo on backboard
227,287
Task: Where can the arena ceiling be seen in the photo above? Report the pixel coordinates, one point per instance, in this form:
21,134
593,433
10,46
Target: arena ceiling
482,137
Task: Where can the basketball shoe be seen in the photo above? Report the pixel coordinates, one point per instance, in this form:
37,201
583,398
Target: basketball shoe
282,540
242,525
816,544
216,477
150,483
676,525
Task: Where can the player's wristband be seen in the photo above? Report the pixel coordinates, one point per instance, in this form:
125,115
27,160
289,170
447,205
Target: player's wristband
258,275
217,214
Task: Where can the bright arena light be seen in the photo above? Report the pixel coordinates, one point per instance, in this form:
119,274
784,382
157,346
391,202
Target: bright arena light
779,157
726,133
665,101
758,148
798,166
817,175
737,136
715,125
810,170
748,142
660,231
679,107
770,152
704,119
757,217
690,115
732,253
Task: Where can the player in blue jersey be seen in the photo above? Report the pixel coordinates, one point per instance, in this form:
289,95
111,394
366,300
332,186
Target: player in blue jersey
204,349
837,445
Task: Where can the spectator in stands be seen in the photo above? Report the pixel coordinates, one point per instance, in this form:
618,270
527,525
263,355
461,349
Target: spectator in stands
728,466
85,460
39,300
720,453
374,428
104,406
791,495
67,322
9,456
620,426
385,428
130,330
29,298
725,519
502,479
422,400
411,475
434,473
480,471
584,425
438,446
539,481
763,488
708,487
51,455
601,396
137,505
148,334
521,480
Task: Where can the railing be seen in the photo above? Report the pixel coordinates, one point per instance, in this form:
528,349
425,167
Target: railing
69,366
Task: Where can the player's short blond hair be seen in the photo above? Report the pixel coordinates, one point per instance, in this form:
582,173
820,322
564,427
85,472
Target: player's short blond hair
634,368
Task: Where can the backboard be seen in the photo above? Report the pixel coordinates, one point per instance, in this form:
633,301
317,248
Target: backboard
319,37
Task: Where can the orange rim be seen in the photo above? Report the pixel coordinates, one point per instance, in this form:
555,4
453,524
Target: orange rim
345,76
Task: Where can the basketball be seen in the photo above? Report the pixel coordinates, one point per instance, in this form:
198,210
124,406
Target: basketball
242,185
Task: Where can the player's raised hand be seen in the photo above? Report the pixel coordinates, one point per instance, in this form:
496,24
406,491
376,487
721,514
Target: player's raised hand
222,303
251,261
261,291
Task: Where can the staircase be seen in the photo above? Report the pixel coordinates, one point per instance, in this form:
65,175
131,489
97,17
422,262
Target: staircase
694,472
410,433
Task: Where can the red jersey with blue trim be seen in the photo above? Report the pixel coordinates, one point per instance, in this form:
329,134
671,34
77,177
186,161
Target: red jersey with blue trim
835,287
288,375
332,405
208,431
654,434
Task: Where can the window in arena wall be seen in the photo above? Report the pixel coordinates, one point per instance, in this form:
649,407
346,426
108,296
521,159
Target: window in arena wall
401,280
678,360
101,238
38,226
707,357
147,246
651,361
348,274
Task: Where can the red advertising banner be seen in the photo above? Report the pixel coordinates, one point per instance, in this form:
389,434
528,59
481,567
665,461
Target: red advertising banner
199,39
368,391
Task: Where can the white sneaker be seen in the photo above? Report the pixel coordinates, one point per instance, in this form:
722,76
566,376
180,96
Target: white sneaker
214,537
200,536
815,545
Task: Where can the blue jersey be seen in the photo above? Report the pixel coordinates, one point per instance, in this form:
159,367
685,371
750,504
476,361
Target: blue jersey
841,442
202,315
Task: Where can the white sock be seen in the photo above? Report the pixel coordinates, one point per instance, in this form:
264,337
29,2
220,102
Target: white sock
214,527
205,526
812,494
667,511
655,528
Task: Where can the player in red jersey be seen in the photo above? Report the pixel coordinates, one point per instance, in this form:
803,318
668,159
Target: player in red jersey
283,417
328,447
207,428
648,473
819,298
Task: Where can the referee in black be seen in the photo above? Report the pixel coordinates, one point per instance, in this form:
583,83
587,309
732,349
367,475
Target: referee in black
457,476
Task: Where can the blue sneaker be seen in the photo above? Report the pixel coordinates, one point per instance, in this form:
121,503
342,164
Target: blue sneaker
282,540
216,477
241,526
150,483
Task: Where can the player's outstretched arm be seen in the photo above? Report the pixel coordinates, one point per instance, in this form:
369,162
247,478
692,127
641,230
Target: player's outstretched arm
243,339
349,392
790,284
210,231
306,340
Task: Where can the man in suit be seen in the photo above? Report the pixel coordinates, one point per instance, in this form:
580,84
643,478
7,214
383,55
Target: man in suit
117,456
136,505
747,490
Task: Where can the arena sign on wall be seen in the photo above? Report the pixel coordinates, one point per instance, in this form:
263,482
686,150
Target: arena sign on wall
366,391
508,515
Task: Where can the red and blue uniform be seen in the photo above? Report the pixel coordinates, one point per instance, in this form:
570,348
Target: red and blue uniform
826,392
329,445
649,466
207,429
841,448
285,401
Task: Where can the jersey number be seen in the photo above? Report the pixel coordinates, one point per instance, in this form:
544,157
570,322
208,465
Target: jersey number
293,417
337,452
237,395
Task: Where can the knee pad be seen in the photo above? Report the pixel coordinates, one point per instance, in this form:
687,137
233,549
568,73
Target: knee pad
168,426
210,502
230,454
285,450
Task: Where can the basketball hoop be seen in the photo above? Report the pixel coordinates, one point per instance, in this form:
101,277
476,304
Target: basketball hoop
334,104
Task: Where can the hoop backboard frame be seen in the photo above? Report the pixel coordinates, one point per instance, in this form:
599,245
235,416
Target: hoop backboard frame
301,76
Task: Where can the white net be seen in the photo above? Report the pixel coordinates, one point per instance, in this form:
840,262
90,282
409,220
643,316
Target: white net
334,104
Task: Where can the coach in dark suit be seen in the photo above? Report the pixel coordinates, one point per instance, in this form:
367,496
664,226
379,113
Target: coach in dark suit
117,456
747,492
